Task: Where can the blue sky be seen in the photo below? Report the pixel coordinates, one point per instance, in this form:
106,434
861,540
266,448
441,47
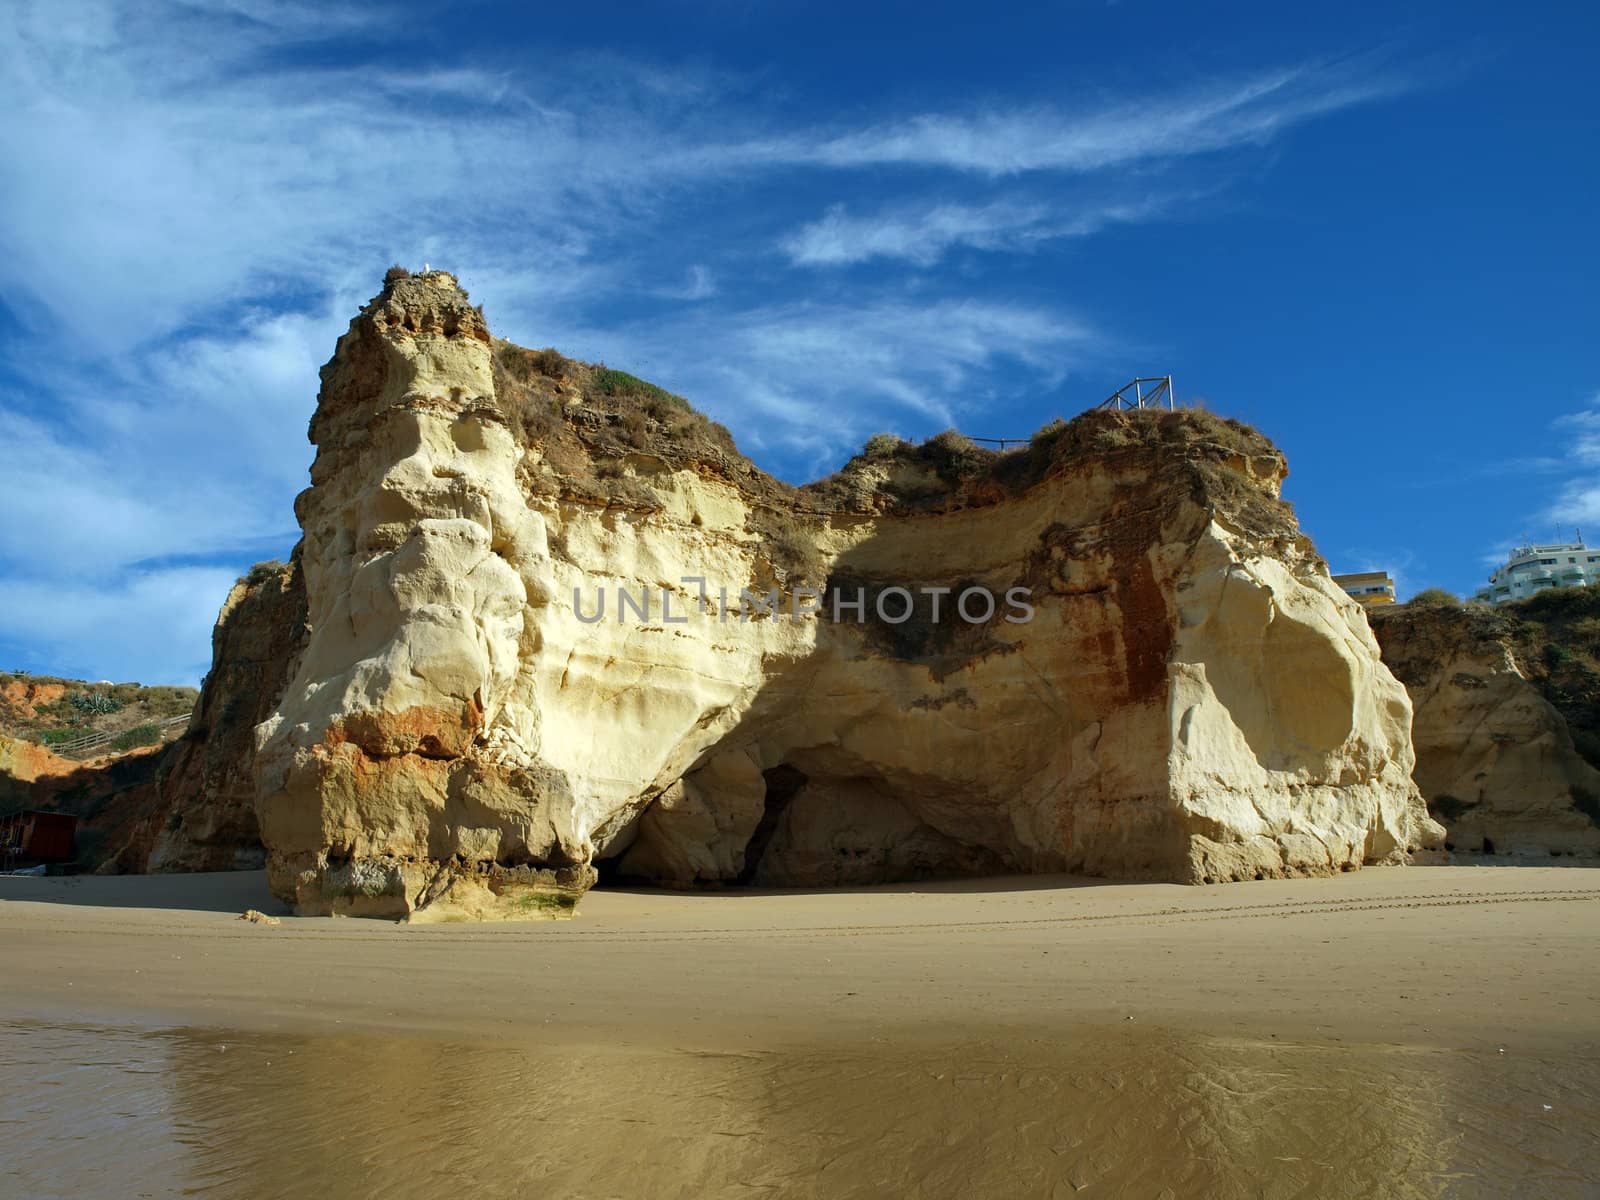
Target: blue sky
1369,231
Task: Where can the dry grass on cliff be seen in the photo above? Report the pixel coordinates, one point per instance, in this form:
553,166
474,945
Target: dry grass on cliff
580,412
951,471
612,409
587,419
590,421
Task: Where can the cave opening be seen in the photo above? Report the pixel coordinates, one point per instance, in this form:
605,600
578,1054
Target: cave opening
783,784
609,872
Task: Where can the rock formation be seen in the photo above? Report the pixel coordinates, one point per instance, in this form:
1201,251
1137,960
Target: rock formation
1192,698
24,763
1496,759
199,811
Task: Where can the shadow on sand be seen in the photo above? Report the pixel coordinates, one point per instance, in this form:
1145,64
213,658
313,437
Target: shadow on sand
214,891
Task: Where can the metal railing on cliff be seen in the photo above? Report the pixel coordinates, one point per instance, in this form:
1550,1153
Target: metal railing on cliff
83,747
1132,394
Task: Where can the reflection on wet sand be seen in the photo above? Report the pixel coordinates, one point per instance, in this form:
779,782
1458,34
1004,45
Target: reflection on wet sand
1095,1112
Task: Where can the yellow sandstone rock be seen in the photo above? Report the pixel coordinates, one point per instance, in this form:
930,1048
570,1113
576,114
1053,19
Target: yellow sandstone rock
1495,759
1192,698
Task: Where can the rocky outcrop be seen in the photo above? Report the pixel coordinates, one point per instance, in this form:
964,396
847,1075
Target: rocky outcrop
27,698
23,763
1496,759
200,810
1167,685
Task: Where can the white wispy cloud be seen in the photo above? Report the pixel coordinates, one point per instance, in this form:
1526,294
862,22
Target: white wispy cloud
1050,138
1583,427
922,236
1579,500
1572,470
698,284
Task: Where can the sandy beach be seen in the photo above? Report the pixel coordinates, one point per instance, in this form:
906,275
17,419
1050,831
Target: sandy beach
1392,1031
1385,955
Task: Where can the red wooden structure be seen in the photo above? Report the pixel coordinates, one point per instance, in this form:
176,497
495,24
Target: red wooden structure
41,837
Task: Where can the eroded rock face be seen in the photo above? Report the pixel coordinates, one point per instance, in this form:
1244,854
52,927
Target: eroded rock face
23,763
1192,699
1495,760
401,764
192,806
207,799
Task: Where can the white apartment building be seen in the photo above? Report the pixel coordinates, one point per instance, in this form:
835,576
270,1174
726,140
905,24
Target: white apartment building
1532,568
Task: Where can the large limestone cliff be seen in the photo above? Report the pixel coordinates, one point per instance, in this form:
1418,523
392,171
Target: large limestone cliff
1191,699
1496,759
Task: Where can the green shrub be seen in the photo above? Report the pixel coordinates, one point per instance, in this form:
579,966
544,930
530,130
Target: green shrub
54,737
527,365
1563,603
884,445
139,735
609,382
1556,655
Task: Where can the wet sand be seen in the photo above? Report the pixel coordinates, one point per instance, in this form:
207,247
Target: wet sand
1425,1031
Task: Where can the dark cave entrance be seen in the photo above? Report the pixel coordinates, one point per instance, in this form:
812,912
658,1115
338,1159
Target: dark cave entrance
609,872
783,784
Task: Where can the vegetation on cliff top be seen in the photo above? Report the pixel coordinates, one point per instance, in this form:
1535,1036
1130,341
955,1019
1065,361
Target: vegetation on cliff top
49,709
612,413
597,430
587,418
950,470
1435,598
1554,636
